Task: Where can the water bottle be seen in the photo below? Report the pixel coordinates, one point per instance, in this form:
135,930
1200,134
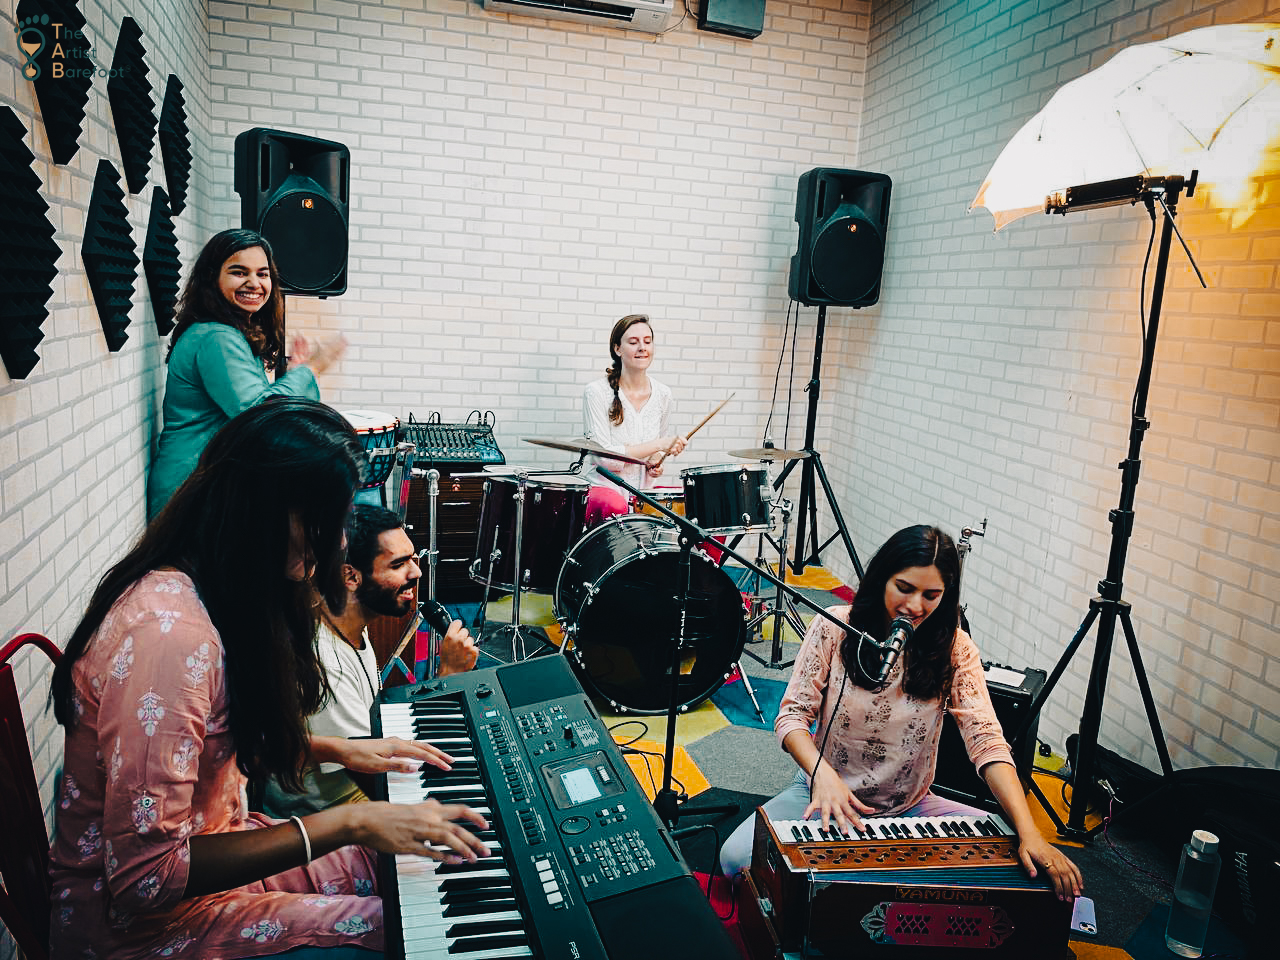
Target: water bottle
1193,895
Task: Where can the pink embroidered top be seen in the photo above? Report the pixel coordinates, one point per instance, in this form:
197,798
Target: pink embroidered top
149,763
885,744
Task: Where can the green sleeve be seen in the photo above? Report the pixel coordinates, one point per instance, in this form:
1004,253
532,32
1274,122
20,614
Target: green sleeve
235,379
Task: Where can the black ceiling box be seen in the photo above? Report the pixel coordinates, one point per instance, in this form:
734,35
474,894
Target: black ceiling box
738,18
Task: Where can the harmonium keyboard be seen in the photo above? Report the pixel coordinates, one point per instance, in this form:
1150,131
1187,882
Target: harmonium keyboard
909,887
581,868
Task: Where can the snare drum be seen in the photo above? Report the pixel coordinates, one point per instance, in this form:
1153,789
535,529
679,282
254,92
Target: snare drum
729,498
555,509
617,597
377,431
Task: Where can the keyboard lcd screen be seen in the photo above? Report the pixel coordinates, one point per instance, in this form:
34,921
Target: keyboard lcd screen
580,785
584,779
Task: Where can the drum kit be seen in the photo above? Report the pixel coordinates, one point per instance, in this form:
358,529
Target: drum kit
613,587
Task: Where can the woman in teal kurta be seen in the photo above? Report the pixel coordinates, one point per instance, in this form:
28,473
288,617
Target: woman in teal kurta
230,328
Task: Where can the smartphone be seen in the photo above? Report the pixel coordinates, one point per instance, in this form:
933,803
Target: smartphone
1082,917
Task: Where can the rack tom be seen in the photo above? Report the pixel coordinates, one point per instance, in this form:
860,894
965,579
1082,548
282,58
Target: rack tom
728,498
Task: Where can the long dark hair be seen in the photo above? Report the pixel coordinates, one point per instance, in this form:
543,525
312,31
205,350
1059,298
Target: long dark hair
228,528
928,653
614,371
202,300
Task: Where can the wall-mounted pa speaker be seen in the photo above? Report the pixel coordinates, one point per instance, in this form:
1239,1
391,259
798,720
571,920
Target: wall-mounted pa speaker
294,191
843,215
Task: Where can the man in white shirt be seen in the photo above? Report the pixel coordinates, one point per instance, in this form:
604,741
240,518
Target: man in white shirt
381,574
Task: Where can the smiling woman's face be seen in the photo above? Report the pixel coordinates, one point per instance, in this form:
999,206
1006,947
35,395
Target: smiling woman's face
245,280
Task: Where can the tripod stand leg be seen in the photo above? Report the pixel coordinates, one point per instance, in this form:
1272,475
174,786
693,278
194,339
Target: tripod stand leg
1037,703
746,683
835,512
1157,732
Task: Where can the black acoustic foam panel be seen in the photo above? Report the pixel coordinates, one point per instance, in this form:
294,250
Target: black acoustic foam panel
62,88
160,261
109,255
175,144
27,252
132,108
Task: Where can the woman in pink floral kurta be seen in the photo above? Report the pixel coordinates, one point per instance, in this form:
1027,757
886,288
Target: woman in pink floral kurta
875,747
149,762
193,664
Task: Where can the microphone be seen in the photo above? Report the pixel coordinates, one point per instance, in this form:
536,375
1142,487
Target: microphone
900,631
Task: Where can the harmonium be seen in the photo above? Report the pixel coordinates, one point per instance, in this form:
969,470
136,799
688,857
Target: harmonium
905,887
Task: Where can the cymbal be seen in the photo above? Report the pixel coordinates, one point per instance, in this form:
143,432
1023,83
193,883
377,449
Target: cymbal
769,453
582,445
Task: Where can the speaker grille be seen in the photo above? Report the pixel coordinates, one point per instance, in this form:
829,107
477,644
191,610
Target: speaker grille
848,255
308,237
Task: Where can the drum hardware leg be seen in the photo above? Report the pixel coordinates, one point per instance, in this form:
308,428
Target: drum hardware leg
746,683
494,555
781,608
517,631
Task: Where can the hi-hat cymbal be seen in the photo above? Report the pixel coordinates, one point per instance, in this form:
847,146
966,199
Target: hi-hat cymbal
769,453
582,445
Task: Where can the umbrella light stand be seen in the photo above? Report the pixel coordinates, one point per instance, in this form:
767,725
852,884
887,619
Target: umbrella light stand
1108,606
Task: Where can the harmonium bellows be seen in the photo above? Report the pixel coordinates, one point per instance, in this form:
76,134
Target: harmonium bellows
909,887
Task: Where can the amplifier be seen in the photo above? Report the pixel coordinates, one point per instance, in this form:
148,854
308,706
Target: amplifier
1012,690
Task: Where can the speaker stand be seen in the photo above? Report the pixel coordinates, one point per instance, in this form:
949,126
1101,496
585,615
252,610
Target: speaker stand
811,466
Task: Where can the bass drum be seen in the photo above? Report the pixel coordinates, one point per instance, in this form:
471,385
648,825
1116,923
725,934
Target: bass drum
618,596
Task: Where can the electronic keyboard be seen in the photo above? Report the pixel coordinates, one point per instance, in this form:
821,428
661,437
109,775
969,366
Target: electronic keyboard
581,868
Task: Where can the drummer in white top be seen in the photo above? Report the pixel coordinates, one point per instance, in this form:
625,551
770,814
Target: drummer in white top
629,412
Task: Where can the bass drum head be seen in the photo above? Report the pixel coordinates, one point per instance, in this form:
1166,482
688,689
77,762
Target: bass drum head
619,593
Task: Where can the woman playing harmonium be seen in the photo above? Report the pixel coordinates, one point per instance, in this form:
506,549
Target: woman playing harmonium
875,746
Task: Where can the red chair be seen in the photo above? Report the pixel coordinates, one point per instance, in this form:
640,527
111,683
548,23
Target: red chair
24,855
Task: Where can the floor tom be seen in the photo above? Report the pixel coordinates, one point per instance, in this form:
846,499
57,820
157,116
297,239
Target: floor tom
555,509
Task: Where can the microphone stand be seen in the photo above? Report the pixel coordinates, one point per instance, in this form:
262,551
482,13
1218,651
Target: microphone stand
667,802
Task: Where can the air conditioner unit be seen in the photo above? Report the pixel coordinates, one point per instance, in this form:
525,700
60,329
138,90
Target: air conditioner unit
651,16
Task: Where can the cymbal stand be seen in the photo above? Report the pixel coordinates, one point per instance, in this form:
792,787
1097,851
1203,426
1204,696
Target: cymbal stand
780,608
963,546
433,555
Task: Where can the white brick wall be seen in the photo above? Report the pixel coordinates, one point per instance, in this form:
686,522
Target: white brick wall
995,376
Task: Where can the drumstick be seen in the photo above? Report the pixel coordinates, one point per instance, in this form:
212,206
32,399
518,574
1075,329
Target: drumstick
700,425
